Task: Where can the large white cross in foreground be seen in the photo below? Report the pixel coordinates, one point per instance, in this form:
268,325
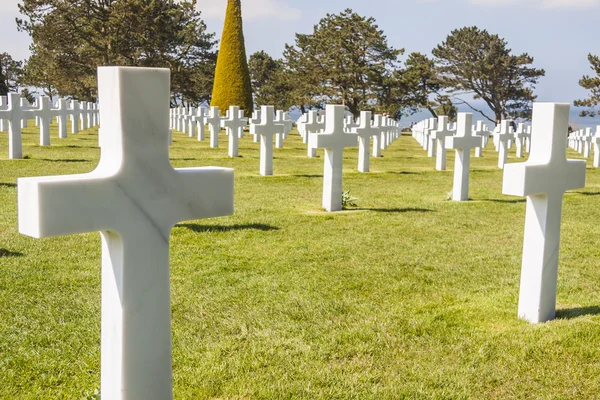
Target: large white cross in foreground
333,140
134,198
544,179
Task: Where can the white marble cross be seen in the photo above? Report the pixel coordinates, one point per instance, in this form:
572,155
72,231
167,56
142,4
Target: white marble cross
83,115
74,112
314,125
429,144
596,142
255,120
3,106
365,130
463,142
503,136
439,136
267,129
134,198
61,115
481,131
520,139
198,119
280,120
380,126
232,124
333,140
242,127
544,179
12,114
213,120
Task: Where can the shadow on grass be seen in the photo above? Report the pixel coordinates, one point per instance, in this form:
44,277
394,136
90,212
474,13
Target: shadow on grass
228,228
67,160
8,253
8,185
404,173
394,210
307,176
571,313
509,201
589,193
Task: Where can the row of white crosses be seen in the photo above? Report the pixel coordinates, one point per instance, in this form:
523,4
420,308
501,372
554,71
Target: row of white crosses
191,120
583,140
15,111
134,198
431,133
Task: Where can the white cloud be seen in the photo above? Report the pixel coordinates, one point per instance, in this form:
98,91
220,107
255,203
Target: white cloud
251,9
574,4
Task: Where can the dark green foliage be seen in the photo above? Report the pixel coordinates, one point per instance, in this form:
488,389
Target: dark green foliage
593,85
345,60
72,38
232,85
474,62
11,72
269,84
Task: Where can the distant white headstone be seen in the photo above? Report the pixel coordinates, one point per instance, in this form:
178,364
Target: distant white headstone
12,114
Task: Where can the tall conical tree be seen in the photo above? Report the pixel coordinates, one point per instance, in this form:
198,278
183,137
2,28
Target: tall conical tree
232,78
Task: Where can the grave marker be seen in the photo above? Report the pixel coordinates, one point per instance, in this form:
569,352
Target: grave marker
544,179
134,198
463,142
333,140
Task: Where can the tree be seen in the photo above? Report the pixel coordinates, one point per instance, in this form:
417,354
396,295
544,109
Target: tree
11,72
593,85
345,60
232,78
475,62
420,80
72,38
269,84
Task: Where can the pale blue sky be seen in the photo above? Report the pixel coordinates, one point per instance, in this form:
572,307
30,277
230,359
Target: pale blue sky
557,33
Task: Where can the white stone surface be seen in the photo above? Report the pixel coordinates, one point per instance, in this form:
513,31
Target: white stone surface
213,120
12,114
544,179
503,136
232,125
380,126
74,113
481,131
439,136
314,125
365,131
463,142
266,130
333,140
134,198
596,142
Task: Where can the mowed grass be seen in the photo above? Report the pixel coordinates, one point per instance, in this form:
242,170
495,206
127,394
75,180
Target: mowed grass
406,296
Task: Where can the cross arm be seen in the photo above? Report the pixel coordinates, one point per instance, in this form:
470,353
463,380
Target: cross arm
521,179
63,205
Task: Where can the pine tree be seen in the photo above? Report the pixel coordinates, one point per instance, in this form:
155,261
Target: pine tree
232,78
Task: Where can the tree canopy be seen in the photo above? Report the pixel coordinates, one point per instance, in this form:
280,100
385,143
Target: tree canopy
346,60
72,38
474,62
11,72
591,83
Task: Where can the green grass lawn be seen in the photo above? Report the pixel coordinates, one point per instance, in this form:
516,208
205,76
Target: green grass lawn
407,296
